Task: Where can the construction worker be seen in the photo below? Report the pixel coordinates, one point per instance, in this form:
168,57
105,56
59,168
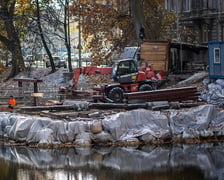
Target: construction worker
11,103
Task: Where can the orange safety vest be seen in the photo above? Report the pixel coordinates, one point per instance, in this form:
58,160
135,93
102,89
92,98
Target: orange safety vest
12,102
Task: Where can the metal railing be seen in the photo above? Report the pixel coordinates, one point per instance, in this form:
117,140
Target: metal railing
25,93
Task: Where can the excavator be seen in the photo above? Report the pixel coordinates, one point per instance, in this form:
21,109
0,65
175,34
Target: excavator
126,77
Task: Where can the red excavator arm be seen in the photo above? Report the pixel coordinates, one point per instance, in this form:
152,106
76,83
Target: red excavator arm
94,70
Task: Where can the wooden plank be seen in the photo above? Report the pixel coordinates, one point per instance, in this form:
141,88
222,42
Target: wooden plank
155,58
152,49
42,108
157,54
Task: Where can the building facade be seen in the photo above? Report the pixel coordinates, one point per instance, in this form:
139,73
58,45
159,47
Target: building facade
204,17
197,22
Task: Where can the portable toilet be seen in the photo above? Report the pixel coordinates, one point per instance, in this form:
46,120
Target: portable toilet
216,59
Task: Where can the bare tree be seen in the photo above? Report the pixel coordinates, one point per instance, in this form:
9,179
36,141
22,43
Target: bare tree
67,33
53,69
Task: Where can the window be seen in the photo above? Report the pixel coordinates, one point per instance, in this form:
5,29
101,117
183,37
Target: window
216,55
213,4
133,68
123,68
171,4
199,4
167,4
186,5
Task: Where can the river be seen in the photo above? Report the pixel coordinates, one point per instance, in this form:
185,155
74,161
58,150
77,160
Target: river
176,162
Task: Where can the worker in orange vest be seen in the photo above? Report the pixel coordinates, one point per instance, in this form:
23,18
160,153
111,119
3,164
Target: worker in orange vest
11,103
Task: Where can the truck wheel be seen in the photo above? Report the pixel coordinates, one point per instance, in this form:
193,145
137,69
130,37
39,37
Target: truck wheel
145,87
116,94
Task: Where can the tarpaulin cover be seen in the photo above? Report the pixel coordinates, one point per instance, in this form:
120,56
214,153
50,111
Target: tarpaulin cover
123,126
194,122
145,125
214,93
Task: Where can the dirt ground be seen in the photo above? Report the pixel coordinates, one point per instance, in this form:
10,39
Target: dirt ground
44,74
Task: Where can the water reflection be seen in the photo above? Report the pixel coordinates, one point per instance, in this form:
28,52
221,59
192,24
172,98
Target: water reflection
205,161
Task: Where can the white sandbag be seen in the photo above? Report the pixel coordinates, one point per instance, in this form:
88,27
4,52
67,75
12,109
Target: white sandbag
217,123
65,133
35,128
135,123
45,135
215,94
55,125
195,118
61,131
220,82
20,128
6,120
78,126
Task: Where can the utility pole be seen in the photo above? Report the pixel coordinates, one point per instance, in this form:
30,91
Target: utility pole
79,45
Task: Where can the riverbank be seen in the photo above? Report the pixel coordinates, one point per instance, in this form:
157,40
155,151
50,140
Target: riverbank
128,128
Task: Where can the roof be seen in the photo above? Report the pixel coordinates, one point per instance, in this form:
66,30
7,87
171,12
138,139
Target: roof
188,46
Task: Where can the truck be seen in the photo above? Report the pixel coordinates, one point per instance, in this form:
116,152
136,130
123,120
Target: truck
126,77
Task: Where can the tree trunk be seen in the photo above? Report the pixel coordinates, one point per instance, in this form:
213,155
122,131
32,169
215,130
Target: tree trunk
67,35
138,17
11,40
17,59
53,69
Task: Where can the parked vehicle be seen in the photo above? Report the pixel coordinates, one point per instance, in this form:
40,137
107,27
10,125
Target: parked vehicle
29,60
58,61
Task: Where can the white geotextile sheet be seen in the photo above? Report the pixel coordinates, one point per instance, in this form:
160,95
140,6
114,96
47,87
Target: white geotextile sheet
194,122
126,125
187,123
214,94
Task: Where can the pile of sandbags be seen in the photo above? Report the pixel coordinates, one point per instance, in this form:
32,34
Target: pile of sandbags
124,128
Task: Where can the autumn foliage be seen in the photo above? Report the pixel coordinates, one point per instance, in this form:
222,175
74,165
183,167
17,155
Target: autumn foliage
103,27
109,26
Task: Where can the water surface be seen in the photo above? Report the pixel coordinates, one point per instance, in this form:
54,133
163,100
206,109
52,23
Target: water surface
179,162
